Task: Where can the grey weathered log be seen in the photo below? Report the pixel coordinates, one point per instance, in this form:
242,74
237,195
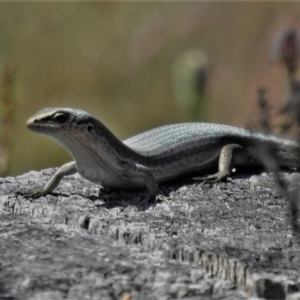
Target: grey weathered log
226,240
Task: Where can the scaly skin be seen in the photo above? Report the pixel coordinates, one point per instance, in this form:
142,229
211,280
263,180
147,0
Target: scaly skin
159,155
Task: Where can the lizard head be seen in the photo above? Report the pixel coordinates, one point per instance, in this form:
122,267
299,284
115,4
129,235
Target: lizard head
78,131
51,120
67,125
63,122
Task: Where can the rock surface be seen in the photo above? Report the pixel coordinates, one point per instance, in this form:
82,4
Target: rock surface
229,240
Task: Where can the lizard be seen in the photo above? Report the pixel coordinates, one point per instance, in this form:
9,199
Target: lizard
151,158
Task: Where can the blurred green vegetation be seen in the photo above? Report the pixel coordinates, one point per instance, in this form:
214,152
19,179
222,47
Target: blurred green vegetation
8,107
116,60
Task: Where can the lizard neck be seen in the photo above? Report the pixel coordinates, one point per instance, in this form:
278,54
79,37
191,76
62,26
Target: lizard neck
96,149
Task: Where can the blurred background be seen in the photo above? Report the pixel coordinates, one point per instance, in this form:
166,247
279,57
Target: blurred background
135,66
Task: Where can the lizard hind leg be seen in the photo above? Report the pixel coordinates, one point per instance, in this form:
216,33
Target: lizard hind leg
229,155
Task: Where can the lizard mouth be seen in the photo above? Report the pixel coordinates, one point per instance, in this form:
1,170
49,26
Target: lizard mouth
39,126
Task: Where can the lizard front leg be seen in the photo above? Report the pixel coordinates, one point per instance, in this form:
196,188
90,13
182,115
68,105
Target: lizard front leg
64,170
139,170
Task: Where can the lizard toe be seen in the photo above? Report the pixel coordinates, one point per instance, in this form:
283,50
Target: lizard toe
162,198
33,194
219,176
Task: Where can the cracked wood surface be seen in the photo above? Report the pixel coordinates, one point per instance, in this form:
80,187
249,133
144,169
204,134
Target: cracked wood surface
229,240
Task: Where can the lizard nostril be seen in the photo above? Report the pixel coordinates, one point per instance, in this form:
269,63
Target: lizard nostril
89,128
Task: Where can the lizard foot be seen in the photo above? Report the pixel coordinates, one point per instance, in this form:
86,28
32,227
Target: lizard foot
33,194
162,198
219,176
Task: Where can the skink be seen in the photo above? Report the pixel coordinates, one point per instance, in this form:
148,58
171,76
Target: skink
156,156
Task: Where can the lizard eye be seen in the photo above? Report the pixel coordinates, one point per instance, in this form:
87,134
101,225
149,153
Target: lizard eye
60,118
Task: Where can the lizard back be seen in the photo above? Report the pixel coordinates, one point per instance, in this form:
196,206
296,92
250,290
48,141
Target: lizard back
175,136
191,147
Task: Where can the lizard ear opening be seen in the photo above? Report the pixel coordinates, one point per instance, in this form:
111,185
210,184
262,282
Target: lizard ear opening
60,118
